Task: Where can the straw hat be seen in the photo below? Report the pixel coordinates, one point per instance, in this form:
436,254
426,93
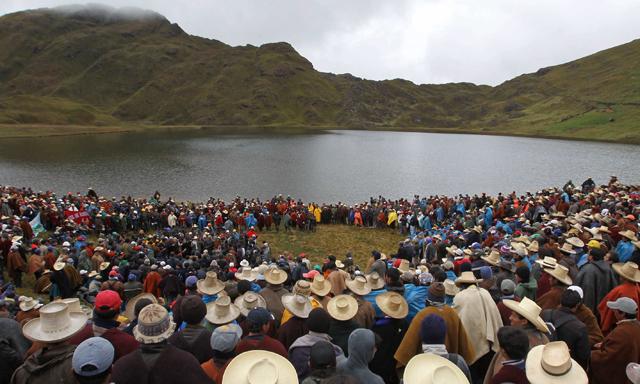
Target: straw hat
576,242
568,249
29,303
528,309
359,286
374,281
130,310
467,277
427,368
59,265
547,262
393,305
104,265
552,364
320,286
275,276
628,270
154,325
339,264
222,311
522,239
73,303
92,274
259,367
450,287
55,324
249,301
299,305
210,285
342,307
534,246
629,235
246,274
493,258
404,266
604,228
561,273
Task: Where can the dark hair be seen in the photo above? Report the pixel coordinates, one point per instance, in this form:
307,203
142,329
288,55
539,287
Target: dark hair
542,252
597,254
570,298
524,273
341,378
514,342
439,275
394,275
243,287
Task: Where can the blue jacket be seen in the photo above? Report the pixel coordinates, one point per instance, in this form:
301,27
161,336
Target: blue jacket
624,249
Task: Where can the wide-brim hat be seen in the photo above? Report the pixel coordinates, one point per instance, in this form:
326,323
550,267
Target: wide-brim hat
130,309
59,265
450,287
493,258
375,281
428,368
55,324
298,305
628,270
92,274
247,274
210,285
320,286
552,364
222,311
155,325
528,309
250,300
393,305
576,242
467,277
547,262
404,266
342,307
629,235
567,248
359,286
275,276
534,247
259,366
560,273
29,303
73,303
104,265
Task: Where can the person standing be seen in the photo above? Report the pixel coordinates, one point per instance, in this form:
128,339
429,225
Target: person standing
596,278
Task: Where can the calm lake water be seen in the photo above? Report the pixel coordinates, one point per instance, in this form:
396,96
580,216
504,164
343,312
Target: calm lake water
343,166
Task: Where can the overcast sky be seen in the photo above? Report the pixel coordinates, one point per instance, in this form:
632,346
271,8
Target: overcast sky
425,41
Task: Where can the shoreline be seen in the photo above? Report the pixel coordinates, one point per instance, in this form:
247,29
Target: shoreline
28,131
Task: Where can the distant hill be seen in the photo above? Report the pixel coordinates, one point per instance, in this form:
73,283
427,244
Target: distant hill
108,67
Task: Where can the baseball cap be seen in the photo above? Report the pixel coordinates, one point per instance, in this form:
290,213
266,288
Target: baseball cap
593,244
107,301
578,290
507,287
226,337
93,357
623,304
191,281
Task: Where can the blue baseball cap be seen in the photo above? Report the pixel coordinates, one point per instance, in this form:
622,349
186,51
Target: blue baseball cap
92,357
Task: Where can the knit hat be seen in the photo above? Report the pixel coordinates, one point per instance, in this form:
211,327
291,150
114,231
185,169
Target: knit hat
193,309
92,357
436,292
319,320
433,330
225,338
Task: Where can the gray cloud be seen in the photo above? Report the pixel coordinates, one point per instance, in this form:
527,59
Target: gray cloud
425,41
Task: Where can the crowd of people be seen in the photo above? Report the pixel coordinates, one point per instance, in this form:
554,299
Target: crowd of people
537,288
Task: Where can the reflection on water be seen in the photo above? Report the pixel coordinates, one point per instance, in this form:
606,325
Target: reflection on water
346,166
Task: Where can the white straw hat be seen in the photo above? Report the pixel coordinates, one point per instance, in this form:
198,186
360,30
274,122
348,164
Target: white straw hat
359,286
259,367
210,285
428,368
552,364
222,311
342,307
528,309
393,305
55,324
249,301
299,305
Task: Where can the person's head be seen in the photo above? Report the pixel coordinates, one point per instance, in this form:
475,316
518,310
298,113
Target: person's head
523,275
376,255
507,287
518,320
225,338
319,321
436,293
433,330
514,342
107,304
258,320
92,360
623,308
570,299
322,355
193,309
140,305
243,286
597,254
392,276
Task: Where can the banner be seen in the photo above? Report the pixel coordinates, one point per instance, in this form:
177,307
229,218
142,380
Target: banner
36,225
79,217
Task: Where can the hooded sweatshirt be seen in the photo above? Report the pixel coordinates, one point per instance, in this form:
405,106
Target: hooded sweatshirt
527,289
361,350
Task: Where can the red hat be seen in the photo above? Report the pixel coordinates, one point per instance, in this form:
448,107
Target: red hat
113,273
107,300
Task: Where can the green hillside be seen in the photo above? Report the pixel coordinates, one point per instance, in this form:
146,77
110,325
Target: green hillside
99,67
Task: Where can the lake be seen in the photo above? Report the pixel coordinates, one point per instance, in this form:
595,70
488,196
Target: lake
347,166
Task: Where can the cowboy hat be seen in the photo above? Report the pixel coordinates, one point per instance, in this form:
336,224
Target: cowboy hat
92,274
568,249
467,277
342,307
547,262
59,265
130,309
450,288
73,303
320,286
259,366
275,276
533,247
428,368
374,281
359,286
522,239
629,235
210,285
393,305
628,270
154,325
249,301
560,273
552,364
298,305
104,265
339,264
28,303
528,309
55,324
246,273
404,266
576,242
222,311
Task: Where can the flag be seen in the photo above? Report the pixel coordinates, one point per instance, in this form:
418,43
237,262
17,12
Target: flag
36,225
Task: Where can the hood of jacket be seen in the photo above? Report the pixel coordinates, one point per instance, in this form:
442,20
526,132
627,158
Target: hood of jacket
49,357
361,348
